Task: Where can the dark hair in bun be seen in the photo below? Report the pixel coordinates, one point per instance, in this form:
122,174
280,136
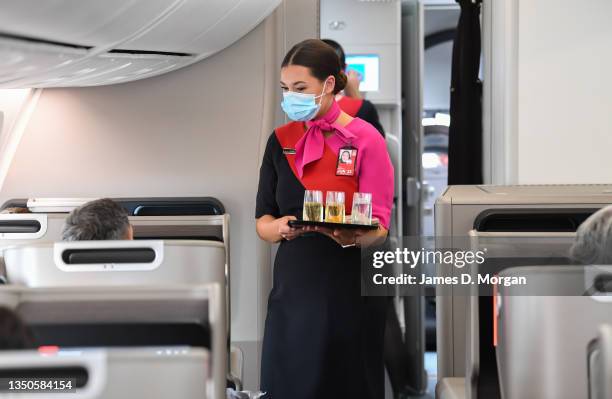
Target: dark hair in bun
320,58
339,51
341,81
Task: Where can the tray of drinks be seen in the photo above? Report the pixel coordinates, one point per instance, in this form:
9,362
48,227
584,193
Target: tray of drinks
334,225
334,215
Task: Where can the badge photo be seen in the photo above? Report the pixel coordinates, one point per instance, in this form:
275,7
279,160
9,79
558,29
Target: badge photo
347,159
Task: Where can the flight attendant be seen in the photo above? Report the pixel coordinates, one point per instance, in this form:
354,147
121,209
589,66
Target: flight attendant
350,100
322,338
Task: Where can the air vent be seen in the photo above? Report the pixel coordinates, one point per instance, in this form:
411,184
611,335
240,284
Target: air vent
146,52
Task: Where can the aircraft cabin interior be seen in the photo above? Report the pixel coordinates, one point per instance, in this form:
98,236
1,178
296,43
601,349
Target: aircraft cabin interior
306,199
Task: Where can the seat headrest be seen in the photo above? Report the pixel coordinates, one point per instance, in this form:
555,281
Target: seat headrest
116,263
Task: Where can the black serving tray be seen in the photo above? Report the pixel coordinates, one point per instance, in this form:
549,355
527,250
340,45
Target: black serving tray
349,226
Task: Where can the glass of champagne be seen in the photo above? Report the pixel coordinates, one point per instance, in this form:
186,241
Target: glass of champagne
334,207
313,206
362,208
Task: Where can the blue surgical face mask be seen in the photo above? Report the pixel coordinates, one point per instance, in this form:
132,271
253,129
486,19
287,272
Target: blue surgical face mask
301,106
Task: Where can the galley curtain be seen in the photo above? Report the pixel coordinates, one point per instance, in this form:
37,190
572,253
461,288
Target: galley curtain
465,133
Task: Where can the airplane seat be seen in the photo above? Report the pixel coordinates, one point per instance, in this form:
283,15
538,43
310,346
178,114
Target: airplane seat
155,218
505,249
552,319
114,373
23,228
118,263
115,263
130,316
152,218
197,218
600,364
464,321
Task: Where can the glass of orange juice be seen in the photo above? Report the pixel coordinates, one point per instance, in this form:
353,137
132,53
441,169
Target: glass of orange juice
334,207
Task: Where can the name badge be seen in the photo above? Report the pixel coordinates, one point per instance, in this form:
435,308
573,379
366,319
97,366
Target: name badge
347,159
289,151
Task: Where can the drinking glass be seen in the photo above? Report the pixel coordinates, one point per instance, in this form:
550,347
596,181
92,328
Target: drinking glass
362,208
334,207
313,206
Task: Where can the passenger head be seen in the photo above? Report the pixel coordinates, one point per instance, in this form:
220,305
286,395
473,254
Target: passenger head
14,209
312,67
593,244
339,51
101,219
14,334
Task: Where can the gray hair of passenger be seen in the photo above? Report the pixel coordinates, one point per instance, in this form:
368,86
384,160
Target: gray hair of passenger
593,244
101,219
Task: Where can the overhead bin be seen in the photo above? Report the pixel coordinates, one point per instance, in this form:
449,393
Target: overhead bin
21,59
209,41
88,23
177,32
112,68
89,43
